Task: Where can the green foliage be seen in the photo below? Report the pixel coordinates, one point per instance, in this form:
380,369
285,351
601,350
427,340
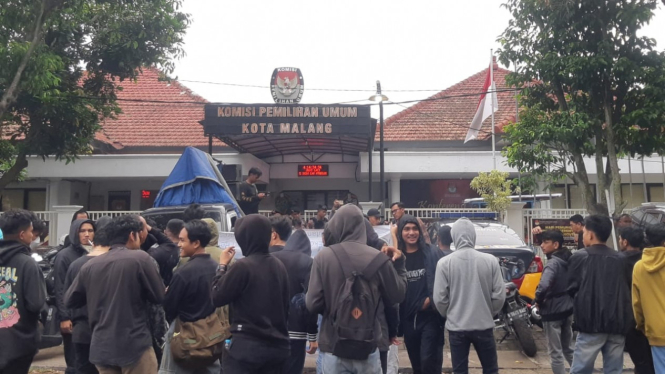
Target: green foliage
494,187
592,87
84,49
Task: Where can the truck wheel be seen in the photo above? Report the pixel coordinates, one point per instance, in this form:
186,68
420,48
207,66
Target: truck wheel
525,337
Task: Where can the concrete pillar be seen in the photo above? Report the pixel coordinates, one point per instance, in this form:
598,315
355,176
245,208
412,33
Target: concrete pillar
58,193
515,218
394,191
64,214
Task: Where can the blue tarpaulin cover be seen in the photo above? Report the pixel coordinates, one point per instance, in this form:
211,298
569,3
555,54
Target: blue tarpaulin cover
193,180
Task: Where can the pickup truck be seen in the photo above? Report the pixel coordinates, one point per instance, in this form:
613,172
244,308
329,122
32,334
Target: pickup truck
224,214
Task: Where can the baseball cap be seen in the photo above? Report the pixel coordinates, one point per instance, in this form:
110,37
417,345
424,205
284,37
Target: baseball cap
373,213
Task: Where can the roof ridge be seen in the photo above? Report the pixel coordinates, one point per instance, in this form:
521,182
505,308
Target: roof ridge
439,94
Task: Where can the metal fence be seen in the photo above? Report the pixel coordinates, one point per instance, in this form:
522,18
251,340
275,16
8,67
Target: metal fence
95,215
51,219
438,213
425,213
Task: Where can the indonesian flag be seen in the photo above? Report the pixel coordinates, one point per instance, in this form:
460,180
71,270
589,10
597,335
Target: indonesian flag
485,107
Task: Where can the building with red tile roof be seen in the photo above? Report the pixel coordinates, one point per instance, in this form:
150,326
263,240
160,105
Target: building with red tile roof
157,116
447,115
427,163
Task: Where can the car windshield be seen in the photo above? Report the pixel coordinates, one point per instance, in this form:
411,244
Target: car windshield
496,236
162,218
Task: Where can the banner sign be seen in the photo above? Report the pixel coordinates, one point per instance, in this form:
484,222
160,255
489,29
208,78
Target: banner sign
277,119
227,239
563,225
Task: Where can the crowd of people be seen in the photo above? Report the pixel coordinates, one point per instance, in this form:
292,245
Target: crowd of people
133,299
613,299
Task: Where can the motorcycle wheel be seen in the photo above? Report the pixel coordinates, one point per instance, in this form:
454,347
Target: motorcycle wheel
525,337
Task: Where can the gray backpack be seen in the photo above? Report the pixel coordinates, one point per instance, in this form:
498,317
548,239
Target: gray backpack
354,318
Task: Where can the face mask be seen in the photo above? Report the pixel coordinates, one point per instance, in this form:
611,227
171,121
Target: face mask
35,244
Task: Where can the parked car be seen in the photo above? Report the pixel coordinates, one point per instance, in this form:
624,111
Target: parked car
501,241
224,214
648,214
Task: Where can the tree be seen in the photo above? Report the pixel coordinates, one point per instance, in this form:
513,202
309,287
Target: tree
494,187
62,63
591,87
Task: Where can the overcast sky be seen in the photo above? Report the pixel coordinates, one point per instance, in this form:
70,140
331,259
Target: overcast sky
407,45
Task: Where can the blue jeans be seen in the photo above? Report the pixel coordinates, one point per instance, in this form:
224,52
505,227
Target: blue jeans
319,358
484,344
587,348
331,364
658,358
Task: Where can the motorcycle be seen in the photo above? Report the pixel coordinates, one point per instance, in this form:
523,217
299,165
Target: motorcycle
50,324
515,315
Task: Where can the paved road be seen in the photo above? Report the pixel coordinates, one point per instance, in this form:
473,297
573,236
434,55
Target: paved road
511,360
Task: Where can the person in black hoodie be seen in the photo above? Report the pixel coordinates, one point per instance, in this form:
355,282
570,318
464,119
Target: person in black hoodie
297,259
556,306
599,282
631,243
257,288
281,230
116,288
22,293
420,323
167,253
81,333
81,234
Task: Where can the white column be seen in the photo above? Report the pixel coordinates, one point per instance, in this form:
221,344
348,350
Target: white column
394,191
63,221
58,193
514,218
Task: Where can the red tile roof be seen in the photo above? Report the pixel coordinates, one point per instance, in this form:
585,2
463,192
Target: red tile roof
149,124
450,118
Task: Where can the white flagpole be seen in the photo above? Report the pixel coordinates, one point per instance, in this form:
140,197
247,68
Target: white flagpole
492,88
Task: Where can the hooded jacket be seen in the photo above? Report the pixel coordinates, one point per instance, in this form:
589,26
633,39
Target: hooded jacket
599,283
551,295
468,288
81,332
649,295
347,229
256,286
419,290
62,262
297,259
22,295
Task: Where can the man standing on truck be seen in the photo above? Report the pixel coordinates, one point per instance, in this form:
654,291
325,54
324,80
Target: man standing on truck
249,196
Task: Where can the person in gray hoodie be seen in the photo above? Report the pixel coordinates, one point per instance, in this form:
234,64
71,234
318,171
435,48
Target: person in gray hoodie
347,229
469,291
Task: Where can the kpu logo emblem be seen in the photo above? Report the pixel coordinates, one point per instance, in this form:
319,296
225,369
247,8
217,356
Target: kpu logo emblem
287,85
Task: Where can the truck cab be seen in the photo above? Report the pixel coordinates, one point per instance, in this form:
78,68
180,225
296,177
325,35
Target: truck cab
223,214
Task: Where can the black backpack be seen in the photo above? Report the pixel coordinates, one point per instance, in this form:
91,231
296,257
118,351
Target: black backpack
354,318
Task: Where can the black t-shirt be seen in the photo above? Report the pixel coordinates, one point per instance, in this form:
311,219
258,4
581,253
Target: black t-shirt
248,199
319,224
415,266
416,290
